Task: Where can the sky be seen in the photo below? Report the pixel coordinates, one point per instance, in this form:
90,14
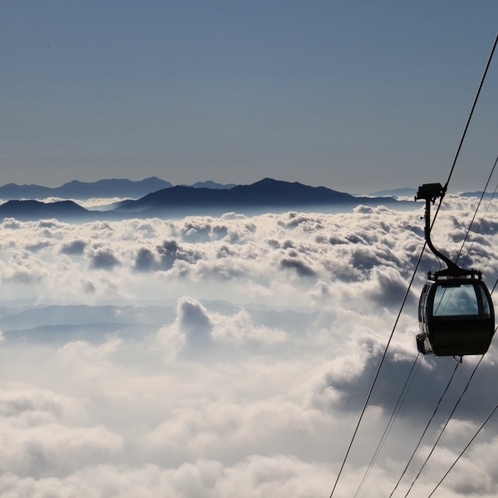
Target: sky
356,96
231,356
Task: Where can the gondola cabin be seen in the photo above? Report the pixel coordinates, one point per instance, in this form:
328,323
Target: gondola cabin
455,311
456,316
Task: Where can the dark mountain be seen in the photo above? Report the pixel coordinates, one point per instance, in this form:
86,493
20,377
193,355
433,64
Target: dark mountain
84,190
14,191
210,184
487,196
35,210
398,192
267,193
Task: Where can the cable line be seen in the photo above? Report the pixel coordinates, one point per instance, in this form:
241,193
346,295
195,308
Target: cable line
475,213
474,371
469,228
457,154
464,450
483,218
397,408
444,428
425,430
454,408
494,287
476,98
377,372
463,243
355,432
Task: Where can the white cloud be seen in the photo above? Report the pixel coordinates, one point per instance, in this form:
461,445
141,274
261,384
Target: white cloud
44,449
227,356
240,328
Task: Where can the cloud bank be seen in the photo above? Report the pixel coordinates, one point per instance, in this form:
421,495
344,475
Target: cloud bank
230,356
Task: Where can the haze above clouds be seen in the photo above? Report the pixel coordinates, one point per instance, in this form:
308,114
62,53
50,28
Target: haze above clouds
228,356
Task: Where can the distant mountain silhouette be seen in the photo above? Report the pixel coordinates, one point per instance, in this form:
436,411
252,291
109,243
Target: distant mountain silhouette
487,196
210,184
398,192
265,195
84,190
35,210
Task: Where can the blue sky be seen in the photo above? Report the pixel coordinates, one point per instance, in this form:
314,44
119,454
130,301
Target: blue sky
357,96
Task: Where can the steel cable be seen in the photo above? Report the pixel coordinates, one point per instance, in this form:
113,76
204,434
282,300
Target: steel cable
476,98
475,435
464,450
397,408
444,428
475,214
377,372
355,432
425,430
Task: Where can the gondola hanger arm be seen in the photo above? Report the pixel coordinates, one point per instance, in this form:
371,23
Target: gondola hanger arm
430,192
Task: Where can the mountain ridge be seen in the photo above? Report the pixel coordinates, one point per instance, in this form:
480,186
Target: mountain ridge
106,188
84,190
266,194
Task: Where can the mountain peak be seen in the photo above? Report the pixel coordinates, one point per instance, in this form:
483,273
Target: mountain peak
114,187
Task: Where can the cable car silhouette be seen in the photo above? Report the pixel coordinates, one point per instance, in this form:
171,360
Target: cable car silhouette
455,313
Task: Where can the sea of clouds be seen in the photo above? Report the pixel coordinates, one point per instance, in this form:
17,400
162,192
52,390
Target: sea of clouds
231,356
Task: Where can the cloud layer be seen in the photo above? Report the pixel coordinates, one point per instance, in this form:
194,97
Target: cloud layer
229,356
